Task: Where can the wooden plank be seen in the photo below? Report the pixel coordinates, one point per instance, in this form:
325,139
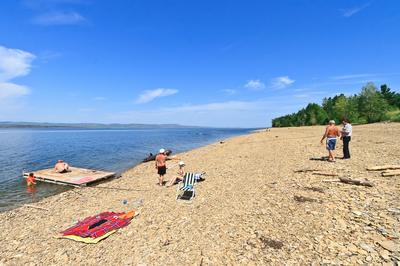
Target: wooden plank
391,173
307,170
324,174
347,180
383,167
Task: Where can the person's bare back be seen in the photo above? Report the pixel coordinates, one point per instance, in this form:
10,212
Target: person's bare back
61,167
160,160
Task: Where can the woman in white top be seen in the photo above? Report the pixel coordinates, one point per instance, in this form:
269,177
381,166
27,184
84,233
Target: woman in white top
347,131
180,174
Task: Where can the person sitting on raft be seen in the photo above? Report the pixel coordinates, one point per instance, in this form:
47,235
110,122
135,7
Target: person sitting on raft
31,180
61,167
181,173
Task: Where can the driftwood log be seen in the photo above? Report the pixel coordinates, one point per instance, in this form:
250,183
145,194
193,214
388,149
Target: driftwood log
35,207
356,182
383,167
391,173
306,170
304,199
325,174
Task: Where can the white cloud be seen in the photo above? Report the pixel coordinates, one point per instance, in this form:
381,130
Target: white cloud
255,84
86,110
301,90
281,82
150,95
229,91
13,63
11,90
354,10
353,76
217,106
218,114
99,98
47,56
59,18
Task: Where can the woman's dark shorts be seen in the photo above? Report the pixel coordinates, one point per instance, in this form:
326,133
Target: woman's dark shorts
162,170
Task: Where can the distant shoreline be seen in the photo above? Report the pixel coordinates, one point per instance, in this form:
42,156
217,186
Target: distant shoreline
88,125
6,124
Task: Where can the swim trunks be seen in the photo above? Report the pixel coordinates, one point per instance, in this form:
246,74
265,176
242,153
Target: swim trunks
162,170
330,144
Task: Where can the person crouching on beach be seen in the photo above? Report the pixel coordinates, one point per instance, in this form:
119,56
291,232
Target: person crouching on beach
61,167
31,180
161,166
180,174
331,132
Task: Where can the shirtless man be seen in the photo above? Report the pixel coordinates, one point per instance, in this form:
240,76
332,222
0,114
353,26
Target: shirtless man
161,166
331,132
61,167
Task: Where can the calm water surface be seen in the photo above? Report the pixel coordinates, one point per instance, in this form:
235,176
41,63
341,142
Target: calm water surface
111,150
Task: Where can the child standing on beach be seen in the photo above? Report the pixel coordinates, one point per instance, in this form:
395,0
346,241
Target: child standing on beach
161,166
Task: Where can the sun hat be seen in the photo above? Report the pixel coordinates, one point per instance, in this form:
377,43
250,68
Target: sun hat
162,150
332,122
181,163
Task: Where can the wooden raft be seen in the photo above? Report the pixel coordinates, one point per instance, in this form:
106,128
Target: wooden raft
77,177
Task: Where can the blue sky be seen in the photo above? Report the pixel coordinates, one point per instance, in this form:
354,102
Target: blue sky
211,63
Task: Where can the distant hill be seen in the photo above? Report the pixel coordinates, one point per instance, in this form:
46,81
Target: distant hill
9,124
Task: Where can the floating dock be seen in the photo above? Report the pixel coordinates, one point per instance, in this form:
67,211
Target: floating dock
77,177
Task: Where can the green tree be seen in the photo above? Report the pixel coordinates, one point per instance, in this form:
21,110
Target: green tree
352,112
346,107
316,115
327,105
391,97
340,107
371,104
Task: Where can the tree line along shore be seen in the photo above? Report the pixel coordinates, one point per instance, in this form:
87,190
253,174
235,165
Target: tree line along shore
369,106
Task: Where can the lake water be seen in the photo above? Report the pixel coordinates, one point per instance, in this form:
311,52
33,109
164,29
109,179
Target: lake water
111,150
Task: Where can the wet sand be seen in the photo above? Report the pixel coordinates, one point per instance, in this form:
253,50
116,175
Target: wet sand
253,209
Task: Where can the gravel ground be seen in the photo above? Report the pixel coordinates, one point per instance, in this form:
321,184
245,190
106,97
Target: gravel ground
253,209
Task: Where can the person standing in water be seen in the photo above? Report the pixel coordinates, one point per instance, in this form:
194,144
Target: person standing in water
161,166
347,131
30,185
31,180
331,132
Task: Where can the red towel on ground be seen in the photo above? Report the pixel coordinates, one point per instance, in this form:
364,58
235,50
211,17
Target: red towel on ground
107,221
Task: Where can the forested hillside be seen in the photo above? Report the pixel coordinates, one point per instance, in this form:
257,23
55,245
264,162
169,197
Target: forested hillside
369,106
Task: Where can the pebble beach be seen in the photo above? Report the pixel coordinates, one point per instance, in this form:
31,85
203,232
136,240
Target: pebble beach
262,203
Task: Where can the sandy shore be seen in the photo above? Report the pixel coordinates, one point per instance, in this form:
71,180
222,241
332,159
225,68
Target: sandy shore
244,213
